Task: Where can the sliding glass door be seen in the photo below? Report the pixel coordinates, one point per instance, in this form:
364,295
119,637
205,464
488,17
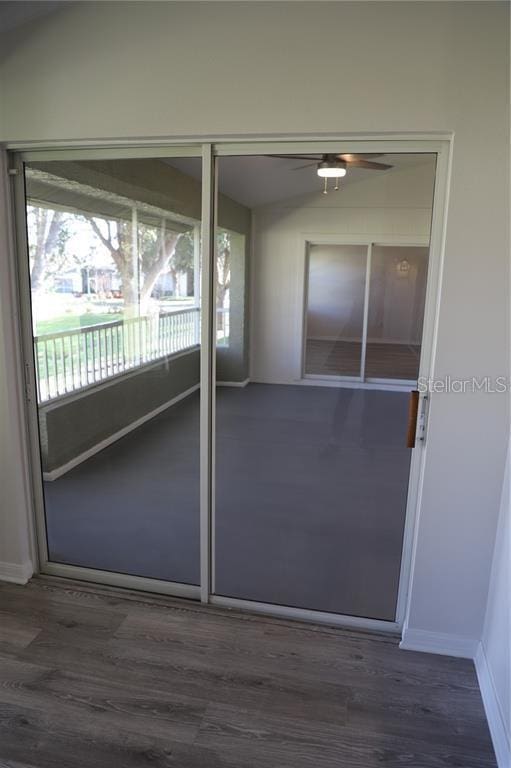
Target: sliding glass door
364,312
200,329
311,467
114,264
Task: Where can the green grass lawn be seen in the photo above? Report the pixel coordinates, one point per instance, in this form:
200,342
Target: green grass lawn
70,322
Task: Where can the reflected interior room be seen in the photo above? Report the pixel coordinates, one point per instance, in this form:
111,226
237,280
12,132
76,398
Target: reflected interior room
319,307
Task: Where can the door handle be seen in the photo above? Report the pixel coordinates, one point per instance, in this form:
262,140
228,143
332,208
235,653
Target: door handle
413,410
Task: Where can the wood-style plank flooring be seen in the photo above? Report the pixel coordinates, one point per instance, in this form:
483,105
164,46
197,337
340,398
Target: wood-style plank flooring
101,678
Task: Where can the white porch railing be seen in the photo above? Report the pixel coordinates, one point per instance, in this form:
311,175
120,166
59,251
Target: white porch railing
71,360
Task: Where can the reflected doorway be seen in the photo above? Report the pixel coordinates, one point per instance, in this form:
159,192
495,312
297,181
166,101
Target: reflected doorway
364,311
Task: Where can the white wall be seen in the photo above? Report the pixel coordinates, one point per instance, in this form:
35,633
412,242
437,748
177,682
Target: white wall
494,659
144,69
395,206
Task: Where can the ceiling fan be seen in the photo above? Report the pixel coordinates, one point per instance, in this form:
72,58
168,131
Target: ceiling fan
333,166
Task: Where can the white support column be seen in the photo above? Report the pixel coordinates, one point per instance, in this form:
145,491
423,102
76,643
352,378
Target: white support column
134,256
197,279
196,264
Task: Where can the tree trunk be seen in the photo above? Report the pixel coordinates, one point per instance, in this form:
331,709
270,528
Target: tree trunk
167,251
129,290
189,282
123,258
223,277
46,240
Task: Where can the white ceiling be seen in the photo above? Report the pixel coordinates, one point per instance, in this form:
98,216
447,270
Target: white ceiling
260,180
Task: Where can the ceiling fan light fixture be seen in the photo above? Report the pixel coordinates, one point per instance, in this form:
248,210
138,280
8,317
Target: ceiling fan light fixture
331,170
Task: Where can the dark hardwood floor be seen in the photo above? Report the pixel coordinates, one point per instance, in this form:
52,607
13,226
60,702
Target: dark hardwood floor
342,358
93,677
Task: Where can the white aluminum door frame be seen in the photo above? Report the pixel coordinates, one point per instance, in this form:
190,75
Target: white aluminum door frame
209,149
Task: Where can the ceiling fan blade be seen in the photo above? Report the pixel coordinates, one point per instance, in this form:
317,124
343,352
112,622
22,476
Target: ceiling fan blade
307,165
295,157
362,155
359,163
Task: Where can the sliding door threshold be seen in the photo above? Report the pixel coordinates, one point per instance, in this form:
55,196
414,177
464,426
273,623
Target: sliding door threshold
222,607
122,580
305,615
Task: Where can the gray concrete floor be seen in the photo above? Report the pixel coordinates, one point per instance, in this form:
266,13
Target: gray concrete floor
311,495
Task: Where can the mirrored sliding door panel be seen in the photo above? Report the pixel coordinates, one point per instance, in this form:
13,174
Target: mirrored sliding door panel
311,465
297,494
115,265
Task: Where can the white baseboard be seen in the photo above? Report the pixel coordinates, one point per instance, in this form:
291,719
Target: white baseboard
16,573
233,383
468,648
500,734
59,471
437,642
